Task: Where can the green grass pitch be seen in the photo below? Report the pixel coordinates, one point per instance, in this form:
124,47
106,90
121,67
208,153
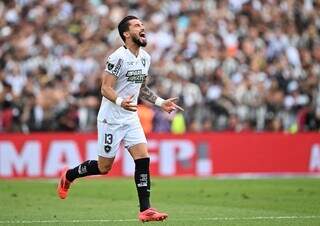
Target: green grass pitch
188,201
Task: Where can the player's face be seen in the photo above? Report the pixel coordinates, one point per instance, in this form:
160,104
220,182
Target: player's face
137,33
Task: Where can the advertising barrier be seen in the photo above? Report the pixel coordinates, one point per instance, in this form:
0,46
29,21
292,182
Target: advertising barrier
210,154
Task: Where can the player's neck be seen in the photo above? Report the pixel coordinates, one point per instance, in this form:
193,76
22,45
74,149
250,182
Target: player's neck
133,48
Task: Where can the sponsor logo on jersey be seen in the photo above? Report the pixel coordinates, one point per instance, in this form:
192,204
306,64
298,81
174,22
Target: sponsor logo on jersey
135,76
130,63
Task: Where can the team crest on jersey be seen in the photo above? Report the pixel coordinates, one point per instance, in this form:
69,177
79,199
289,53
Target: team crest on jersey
143,61
135,76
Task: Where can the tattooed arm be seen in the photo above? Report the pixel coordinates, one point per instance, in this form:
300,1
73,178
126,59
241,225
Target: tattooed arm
167,105
147,94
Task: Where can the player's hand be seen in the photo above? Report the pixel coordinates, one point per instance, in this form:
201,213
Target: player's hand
169,105
128,105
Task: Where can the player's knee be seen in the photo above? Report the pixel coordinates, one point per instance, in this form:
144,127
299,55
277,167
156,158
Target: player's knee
104,168
141,156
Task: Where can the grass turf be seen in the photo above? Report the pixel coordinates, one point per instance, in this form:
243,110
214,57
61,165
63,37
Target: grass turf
188,202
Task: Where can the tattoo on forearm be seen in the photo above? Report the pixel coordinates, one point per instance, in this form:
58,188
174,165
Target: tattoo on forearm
147,94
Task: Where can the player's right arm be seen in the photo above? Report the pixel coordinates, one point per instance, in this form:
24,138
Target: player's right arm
107,90
114,68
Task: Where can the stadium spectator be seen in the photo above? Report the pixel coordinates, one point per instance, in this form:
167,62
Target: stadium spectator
236,65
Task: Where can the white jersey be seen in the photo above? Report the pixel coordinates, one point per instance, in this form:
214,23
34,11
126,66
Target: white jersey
130,72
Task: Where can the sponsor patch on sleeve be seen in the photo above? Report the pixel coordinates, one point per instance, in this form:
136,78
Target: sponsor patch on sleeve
117,67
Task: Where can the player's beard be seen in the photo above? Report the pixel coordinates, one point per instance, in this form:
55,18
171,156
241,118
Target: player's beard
139,41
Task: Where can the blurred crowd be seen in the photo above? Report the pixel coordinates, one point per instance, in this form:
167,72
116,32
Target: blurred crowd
236,65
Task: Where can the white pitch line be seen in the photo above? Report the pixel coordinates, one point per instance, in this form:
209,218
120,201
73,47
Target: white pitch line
258,218
63,221
133,220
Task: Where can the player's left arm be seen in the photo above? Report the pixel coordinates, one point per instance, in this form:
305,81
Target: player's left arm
167,105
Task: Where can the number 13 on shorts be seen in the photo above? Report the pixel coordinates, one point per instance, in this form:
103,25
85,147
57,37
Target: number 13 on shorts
108,138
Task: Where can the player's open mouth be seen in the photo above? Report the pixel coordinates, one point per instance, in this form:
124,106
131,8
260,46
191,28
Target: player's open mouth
142,36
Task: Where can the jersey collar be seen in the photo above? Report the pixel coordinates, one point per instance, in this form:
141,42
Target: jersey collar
136,57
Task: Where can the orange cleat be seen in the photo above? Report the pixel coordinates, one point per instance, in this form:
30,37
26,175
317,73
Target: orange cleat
152,214
63,185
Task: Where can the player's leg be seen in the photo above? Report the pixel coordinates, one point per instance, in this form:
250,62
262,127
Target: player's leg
90,168
136,143
141,159
108,143
87,168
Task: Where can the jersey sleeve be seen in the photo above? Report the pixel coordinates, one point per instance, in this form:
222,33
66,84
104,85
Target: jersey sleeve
114,64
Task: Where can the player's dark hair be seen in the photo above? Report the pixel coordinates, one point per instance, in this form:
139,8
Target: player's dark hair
124,25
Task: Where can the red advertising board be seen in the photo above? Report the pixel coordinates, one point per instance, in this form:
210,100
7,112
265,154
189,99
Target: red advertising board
210,154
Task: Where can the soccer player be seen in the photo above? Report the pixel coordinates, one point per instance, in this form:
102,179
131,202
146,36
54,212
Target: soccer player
123,83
